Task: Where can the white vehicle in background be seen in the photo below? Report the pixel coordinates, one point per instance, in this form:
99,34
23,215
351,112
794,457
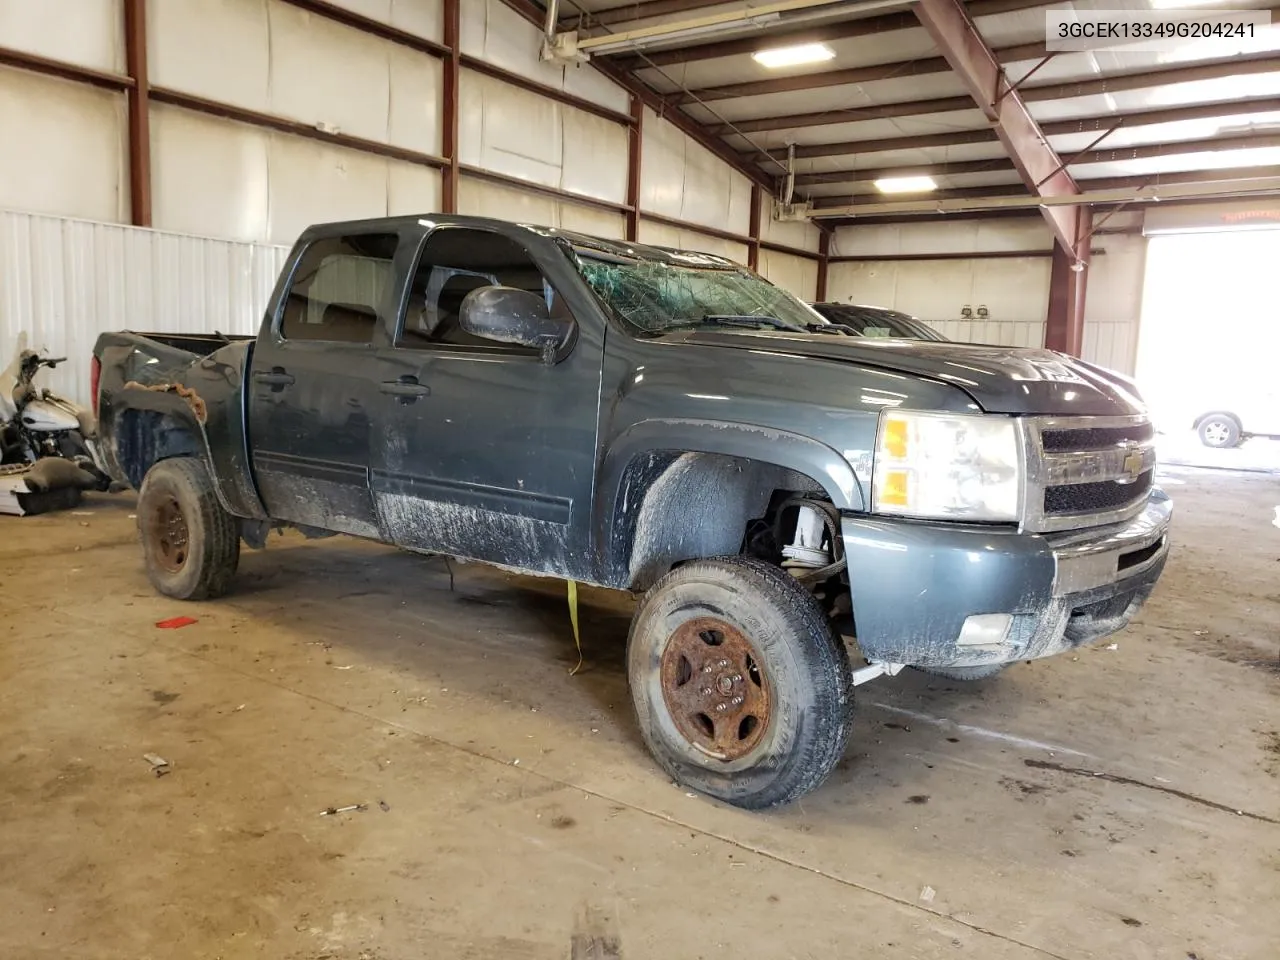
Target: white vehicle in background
1229,423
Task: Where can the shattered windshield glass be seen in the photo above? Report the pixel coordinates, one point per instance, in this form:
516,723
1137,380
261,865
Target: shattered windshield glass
658,296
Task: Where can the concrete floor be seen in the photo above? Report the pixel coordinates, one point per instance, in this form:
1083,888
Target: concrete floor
512,811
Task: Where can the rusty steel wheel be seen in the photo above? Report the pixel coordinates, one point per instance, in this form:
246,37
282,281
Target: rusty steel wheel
190,543
168,534
740,687
714,688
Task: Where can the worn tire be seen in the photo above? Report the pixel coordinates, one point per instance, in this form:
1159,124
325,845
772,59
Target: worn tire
1221,431
205,568
983,671
804,666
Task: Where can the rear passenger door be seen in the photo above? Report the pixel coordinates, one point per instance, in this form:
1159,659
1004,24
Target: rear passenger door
313,383
485,452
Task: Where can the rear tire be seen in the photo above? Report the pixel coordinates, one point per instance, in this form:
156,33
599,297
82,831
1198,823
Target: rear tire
983,671
741,689
191,544
1219,431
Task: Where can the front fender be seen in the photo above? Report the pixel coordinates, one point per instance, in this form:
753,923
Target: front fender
646,449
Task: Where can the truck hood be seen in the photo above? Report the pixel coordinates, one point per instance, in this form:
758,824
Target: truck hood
1016,380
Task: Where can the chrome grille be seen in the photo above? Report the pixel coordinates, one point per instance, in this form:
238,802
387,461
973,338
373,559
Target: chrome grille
1086,471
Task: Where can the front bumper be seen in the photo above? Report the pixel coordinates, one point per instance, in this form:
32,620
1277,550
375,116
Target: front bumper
915,583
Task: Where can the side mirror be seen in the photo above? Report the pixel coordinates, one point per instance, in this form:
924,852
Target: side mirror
509,315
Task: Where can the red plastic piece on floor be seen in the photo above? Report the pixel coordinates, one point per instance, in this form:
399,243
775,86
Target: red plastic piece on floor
174,623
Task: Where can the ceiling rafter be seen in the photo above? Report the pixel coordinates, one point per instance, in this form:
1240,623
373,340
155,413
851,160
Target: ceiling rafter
842,30
1135,118
632,12
835,78
1144,151
1037,163
1205,70
1243,174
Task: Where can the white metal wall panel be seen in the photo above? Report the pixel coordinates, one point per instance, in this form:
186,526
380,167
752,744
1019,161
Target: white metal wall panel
795,274
85,32
662,235
412,189
208,176
218,178
961,236
313,182
62,282
217,49
326,73
482,199
63,147
519,133
422,18
492,31
1015,292
683,179
1113,303
272,57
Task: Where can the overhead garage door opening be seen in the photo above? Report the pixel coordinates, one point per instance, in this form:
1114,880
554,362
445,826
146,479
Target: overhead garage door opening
1210,337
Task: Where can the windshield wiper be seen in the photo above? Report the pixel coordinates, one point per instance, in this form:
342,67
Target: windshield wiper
745,320
839,328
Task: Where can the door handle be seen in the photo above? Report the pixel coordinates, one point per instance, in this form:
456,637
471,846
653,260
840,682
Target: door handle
407,388
277,379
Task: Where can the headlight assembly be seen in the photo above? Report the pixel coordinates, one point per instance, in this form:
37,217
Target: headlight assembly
946,466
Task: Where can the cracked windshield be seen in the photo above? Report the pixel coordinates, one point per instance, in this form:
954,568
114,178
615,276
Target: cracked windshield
657,297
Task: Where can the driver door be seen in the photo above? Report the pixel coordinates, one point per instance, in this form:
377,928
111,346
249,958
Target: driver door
481,450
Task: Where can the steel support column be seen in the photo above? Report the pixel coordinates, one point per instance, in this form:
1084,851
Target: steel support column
139,112
1068,283
1037,163
452,11
824,263
635,157
753,244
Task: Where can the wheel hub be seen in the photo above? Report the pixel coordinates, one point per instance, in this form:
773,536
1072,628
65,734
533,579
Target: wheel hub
168,535
714,688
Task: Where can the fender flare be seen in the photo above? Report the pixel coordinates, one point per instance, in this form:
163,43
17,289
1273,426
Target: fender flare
779,448
180,409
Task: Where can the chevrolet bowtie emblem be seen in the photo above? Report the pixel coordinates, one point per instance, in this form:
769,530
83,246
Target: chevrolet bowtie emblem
1132,464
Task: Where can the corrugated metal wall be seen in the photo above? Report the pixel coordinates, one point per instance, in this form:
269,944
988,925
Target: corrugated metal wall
63,281
1015,290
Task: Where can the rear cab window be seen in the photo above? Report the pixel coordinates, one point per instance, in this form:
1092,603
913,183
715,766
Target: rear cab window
341,289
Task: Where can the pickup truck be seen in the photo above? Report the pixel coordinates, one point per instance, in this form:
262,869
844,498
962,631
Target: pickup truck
662,422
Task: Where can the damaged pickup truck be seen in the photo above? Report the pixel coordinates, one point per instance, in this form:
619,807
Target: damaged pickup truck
666,423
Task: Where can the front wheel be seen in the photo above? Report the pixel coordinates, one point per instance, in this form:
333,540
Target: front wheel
1218,430
191,544
741,689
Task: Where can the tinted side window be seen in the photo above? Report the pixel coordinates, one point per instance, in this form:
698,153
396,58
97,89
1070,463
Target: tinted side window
454,262
339,288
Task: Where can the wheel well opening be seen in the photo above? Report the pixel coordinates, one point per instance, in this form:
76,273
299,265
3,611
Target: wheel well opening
145,437
677,506
1218,413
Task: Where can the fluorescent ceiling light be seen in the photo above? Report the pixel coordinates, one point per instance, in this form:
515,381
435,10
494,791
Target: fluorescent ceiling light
1177,4
793,56
906,184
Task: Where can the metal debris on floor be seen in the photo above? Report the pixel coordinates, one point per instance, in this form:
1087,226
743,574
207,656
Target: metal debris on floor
333,811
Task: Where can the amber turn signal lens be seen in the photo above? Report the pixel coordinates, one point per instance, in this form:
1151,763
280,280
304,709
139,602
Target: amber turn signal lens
895,438
894,489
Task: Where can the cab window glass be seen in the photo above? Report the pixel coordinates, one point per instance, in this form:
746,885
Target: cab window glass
454,262
340,288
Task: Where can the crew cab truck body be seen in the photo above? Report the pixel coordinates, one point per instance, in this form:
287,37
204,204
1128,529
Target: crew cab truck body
666,423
